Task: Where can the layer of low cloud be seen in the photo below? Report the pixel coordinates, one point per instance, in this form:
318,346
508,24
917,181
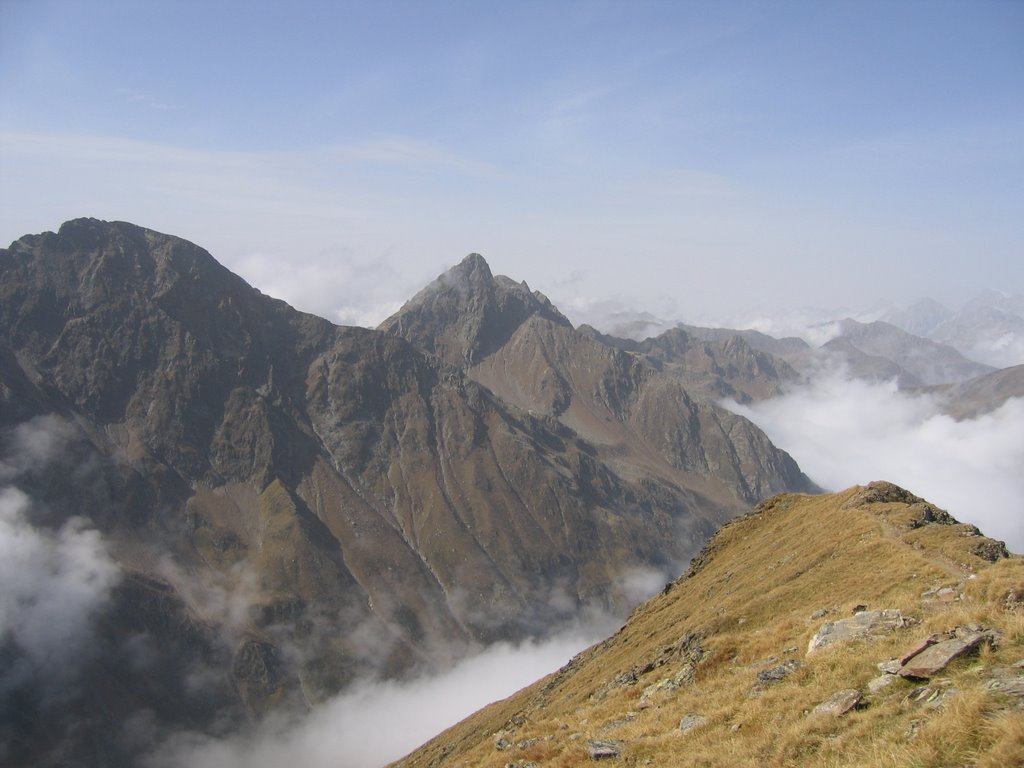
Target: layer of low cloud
844,432
375,721
379,721
52,584
335,285
52,580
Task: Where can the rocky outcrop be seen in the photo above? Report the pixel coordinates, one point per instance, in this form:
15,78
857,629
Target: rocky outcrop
691,722
864,624
604,750
840,703
936,652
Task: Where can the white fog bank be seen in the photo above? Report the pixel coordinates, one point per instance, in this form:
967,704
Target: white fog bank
380,721
845,432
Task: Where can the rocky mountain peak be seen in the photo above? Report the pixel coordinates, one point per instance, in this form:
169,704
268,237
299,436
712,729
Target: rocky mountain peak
467,312
473,267
98,264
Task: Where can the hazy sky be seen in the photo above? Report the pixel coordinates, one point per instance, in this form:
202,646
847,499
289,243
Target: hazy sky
694,158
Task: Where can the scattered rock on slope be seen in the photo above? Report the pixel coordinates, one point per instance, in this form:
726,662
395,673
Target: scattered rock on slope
862,625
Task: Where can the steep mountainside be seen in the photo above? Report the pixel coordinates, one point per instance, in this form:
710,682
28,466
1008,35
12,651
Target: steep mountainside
794,351
927,361
727,368
643,421
288,504
983,394
863,628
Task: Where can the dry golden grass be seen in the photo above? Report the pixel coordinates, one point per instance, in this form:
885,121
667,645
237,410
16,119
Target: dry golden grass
751,601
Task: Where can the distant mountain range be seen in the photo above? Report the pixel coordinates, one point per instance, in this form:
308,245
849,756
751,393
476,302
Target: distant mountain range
920,348
989,328
288,505
987,333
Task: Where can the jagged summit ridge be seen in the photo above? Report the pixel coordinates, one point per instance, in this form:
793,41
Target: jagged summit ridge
467,313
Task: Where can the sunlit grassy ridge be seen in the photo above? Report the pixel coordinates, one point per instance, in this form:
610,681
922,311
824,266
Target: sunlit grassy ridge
746,606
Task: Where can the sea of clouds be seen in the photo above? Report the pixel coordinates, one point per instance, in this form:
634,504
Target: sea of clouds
845,431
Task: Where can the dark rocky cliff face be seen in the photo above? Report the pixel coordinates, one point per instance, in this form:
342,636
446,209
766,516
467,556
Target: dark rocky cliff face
291,504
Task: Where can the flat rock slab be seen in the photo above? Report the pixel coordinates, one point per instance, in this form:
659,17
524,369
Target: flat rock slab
881,682
890,666
775,674
943,595
604,750
930,696
690,722
920,646
839,703
863,624
1007,681
935,657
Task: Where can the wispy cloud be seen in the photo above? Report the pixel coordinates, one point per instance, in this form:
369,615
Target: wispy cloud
410,152
146,100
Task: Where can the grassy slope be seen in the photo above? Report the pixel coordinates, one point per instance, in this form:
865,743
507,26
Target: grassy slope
750,597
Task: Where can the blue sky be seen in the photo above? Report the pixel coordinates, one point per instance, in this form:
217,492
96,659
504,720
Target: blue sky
693,158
